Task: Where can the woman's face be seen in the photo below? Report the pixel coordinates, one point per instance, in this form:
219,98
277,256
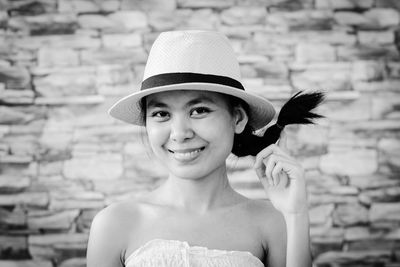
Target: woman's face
191,132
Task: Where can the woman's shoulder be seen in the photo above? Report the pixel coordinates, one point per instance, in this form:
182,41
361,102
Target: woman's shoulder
119,212
269,220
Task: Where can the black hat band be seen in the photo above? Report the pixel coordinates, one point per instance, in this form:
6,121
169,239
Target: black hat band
188,77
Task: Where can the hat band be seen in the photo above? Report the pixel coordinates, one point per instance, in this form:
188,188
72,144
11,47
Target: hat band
188,77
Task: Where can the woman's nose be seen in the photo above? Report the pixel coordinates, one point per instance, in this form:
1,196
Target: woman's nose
181,130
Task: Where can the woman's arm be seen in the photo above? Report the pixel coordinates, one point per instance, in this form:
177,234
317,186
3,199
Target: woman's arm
298,240
283,179
105,240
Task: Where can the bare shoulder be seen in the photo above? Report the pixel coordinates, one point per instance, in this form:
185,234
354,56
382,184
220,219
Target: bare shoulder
270,221
108,234
117,213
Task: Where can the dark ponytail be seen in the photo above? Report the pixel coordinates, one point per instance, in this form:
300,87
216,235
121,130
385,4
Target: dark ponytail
297,110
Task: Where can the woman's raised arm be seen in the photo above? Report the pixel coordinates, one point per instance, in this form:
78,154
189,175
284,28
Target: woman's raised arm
283,179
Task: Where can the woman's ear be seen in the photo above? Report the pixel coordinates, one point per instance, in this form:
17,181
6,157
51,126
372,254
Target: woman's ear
241,119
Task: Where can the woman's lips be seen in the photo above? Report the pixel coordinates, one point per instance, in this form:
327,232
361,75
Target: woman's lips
186,155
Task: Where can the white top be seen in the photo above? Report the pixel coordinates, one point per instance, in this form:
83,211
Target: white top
174,253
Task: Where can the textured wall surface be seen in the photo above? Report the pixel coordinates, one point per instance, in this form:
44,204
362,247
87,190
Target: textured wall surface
62,158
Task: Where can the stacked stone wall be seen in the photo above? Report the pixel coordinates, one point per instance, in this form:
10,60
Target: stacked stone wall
62,158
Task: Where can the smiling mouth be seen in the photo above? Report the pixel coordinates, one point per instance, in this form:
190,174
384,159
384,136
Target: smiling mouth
186,154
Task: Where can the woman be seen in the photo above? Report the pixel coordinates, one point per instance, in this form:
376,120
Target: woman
196,113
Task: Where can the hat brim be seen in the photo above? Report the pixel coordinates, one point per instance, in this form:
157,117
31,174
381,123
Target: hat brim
128,108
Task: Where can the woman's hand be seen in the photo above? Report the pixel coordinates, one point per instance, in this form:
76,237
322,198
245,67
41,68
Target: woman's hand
282,177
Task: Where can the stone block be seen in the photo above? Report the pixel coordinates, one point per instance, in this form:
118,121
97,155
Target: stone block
206,19
15,218
327,234
351,18
73,198
205,3
375,181
78,6
321,199
311,52
13,184
13,247
149,5
390,151
383,17
57,246
10,115
271,45
52,57
375,37
370,51
388,3
104,166
25,263
73,41
30,199
70,100
359,109
327,77
377,86
14,77
272,70
243,15
122,40
20,97
320,215
67,82
50,168
93,21
28,8
117,74
45,24
352,257
110,5
344,4
384,212
393,69
85,219
129,20
168,20
353,162
350,214
388,194
109,56
74,262
362,233
301,20
48,220
368,70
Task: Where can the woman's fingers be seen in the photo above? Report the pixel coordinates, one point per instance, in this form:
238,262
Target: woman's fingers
272,168
266,152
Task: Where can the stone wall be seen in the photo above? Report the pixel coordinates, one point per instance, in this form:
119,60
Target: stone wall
62,158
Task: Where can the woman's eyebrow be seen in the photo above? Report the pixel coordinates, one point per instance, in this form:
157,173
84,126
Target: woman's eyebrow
201,99
156,104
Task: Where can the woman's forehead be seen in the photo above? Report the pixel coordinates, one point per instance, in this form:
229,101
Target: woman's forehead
185,96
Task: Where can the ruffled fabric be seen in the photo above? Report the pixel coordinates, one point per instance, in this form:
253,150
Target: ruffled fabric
174,253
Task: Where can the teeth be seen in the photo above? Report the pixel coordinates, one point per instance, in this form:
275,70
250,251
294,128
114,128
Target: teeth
186,155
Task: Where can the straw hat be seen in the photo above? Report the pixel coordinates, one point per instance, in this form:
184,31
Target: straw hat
192,60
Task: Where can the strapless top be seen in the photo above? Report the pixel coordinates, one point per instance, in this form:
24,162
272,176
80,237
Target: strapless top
174,253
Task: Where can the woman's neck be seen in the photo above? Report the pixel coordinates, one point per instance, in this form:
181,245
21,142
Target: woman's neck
197,195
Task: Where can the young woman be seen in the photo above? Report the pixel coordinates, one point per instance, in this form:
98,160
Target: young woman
196,112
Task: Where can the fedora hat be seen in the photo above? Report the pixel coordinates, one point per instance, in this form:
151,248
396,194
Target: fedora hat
192,60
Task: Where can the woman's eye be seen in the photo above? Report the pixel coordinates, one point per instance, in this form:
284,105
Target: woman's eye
200,111
160,114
